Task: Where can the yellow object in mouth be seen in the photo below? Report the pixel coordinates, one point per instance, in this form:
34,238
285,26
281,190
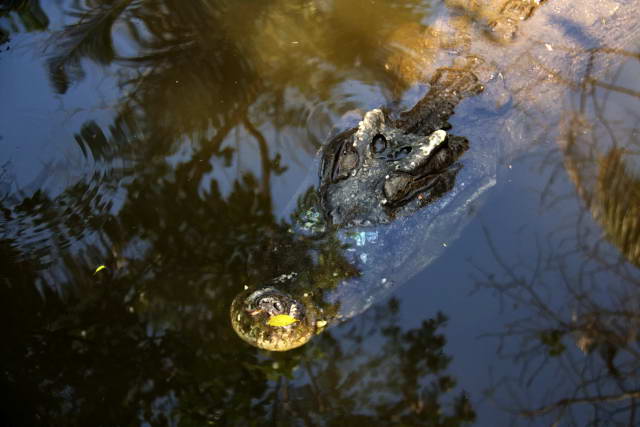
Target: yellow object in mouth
281,320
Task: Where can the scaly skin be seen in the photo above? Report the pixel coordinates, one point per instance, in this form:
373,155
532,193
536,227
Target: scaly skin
388,168
394,168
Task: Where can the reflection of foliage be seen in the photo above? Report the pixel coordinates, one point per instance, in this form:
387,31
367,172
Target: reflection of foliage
148,339
577,296
145,341
403,381
197,43
607,185
552,339
25,13
619,189
150,333
89,38
600,149
581,323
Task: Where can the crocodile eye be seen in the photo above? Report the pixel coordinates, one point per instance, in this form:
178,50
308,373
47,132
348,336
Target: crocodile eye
271,305
378,143
346,162
276,306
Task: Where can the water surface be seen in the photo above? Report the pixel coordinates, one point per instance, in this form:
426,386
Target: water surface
165,140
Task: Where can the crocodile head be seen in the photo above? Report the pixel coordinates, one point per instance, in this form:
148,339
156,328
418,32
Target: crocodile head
378,171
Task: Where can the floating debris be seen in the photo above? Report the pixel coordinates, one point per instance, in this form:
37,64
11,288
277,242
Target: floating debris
281,320
100,268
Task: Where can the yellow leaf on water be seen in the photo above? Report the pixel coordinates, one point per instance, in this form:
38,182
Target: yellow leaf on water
281,320
101,267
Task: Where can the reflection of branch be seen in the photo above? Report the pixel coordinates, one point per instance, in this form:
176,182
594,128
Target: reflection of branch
610,50
88,38
563,403
587,79
520,281
314,385
614,88
264,154
199,163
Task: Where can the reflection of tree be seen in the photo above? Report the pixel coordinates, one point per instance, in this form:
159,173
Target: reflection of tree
403,381
181,103
199,44
150,334
581,319
601,163
578,292
148,340
21,13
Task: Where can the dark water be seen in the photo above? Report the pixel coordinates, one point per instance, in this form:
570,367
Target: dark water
164,139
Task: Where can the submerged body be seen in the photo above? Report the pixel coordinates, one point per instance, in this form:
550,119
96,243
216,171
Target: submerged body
394,191
375,182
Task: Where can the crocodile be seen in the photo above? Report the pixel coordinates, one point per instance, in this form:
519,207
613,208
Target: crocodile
386,168
397,188
374,180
